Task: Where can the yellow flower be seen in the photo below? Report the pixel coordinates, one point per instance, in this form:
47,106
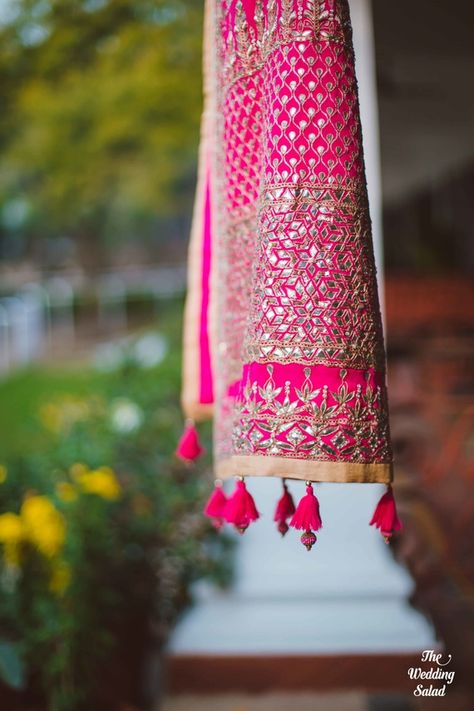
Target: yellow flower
63,413
49,417
60,578
11,528
66,491
101,482
12,554
11,535
3,473
44,525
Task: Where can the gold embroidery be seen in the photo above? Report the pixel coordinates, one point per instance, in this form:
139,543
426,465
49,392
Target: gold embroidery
314,286
312,280
247,46
316,423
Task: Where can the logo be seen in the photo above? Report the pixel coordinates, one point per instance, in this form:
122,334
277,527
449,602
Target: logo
436,672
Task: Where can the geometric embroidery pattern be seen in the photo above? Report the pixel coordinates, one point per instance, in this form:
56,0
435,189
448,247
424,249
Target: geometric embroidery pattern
296,282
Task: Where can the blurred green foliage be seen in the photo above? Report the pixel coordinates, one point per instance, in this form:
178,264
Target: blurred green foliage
23,392
100,115
101,530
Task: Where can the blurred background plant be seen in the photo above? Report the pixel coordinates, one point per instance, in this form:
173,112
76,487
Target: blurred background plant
101,535
101,104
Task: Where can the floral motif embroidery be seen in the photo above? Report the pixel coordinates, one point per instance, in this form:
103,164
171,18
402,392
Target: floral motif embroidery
253,29
347,423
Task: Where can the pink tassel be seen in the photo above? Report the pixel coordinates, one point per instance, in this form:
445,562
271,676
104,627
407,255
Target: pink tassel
240,509
215,506
307,518
189,447
385,516
284,510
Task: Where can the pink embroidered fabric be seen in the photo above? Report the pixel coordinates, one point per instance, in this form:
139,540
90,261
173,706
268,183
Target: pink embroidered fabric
205,368
298,353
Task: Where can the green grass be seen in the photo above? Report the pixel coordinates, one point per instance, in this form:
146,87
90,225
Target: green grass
23,393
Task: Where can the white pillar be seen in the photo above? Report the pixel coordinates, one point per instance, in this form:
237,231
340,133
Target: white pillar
348,595
363,32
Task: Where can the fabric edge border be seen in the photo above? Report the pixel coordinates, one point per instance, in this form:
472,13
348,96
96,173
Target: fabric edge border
306,470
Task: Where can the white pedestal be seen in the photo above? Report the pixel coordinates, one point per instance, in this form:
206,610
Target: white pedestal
347,595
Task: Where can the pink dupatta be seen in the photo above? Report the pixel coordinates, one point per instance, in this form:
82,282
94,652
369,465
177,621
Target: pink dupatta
283,338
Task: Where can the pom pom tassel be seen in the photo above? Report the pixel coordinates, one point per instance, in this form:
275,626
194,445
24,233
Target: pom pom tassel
307,518
385,516
189,447
240,509
215,507
284,510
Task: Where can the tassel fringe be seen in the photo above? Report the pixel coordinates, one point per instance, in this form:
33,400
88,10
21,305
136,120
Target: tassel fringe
240,509
385,516
215,507
189,447
285,509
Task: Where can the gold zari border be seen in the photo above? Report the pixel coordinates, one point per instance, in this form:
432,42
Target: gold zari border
307,470
191,371
197,411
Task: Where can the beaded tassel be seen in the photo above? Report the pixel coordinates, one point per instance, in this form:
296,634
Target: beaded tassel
285,509
307,518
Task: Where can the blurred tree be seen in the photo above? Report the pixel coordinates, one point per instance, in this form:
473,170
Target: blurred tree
101,102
